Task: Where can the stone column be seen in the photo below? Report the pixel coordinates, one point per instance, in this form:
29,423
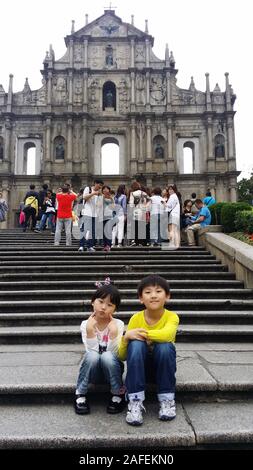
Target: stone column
170,158
228,93
5,191
231,149
212,186
10,94
132,91
149,147
168,94
47,165
49,89
69,145
70,101
7,148
148,90
208,95
84,158
233,191
210,155
133,161
132,53
147,52
85,57
71,53
85,92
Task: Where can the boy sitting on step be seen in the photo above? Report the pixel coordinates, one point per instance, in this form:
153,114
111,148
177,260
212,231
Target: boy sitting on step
148,345
101,335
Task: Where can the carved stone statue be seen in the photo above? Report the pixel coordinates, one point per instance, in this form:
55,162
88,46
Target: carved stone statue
219,151
59,150
109,56
60,90
159,150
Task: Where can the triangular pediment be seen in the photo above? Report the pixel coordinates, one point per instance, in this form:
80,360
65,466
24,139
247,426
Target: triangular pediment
107,26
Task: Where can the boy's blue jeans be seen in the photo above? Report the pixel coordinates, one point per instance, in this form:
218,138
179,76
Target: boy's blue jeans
159,366
100,368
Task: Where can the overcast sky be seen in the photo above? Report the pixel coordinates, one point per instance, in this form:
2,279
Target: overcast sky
206,36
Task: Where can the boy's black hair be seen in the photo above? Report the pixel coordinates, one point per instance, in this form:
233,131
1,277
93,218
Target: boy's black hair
108,289
153,280
98,181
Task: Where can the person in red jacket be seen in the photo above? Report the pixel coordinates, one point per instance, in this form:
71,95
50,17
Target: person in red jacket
65,198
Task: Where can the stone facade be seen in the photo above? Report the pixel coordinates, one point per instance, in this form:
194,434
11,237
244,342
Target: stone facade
110,87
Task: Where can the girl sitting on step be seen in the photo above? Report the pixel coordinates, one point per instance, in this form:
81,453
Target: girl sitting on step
101,335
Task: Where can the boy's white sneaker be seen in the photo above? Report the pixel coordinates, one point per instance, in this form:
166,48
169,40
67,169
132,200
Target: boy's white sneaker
134,413
167,410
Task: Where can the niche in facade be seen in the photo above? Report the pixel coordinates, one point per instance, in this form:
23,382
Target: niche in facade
109,96
219,146
59,148
159,146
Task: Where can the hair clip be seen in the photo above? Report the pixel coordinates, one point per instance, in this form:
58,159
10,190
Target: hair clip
106,282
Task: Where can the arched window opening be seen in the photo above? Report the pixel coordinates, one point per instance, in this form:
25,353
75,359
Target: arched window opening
189,164
219,146
110,157
159,146
29,159
1,149
109,96
59,148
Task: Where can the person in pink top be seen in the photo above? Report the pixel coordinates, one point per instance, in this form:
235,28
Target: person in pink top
65,198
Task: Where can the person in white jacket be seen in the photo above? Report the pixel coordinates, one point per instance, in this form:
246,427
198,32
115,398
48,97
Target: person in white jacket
101,335
173,208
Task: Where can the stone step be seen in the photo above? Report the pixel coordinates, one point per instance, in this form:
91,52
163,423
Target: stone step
51,369
127,275
121,284
105,267
71,333
130,304
86,257
82,261
75,318
56,426
76,294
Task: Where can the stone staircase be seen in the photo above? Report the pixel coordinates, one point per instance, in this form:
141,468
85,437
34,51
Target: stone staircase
45,293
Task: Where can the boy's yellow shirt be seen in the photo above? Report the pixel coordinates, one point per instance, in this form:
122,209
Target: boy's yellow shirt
164,331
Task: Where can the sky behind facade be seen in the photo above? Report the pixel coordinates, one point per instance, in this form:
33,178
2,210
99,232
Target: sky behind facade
205,36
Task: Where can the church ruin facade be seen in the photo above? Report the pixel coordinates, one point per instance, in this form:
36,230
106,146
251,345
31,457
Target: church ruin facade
109,87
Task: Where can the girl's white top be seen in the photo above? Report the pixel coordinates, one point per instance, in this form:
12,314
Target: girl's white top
92,344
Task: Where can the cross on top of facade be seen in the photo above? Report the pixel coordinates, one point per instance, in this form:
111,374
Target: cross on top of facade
110,7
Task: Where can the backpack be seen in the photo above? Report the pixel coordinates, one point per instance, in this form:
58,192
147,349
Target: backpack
28,203
138,199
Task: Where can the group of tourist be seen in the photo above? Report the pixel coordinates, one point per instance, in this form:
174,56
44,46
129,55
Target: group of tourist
138,216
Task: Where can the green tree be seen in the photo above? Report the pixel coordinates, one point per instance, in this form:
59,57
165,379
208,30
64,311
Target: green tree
245,189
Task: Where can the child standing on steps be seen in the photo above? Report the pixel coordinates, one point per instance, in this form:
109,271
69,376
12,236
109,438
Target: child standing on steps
148,345
101,335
